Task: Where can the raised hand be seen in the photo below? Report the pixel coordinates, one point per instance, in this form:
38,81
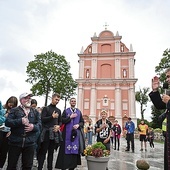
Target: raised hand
155,83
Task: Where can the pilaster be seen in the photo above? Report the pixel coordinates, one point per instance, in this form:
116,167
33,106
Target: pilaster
118,107
93,101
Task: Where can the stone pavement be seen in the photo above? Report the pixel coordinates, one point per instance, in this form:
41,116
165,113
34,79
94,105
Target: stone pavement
121,160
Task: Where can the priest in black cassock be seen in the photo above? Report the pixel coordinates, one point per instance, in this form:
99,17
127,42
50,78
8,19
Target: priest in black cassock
73,144
163,103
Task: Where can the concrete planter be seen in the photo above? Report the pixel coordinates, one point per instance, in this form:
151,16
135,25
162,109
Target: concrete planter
100,163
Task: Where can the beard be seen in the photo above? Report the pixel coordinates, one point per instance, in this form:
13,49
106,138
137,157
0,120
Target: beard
27,104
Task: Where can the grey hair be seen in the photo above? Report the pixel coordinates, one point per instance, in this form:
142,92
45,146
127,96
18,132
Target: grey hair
167,70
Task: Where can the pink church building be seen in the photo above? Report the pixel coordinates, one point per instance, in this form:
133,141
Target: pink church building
107,78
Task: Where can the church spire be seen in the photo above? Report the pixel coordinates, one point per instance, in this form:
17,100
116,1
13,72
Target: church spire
117,33
82,50
131,48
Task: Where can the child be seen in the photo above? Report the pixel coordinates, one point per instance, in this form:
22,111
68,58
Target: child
151,137
117,131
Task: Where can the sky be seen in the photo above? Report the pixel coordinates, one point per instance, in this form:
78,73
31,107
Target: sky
32,27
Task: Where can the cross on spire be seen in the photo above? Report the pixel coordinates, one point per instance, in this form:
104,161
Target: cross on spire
105,25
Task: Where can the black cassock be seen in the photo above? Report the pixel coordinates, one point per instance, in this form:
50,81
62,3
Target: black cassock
159,104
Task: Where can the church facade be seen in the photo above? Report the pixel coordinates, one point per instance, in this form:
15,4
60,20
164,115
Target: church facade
107,78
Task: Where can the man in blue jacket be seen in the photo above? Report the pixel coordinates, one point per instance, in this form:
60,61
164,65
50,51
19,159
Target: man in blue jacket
130,128
24,122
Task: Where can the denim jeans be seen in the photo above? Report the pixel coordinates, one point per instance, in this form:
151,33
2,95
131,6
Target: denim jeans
89,137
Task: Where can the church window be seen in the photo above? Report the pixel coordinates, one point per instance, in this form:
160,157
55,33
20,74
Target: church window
122,48
87,73
124,73
90,50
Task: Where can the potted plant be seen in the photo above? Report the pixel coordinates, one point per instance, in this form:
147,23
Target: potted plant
97,156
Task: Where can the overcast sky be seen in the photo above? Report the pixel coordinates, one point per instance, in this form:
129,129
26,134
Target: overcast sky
31,27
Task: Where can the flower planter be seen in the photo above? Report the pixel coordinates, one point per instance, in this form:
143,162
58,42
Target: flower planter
94,163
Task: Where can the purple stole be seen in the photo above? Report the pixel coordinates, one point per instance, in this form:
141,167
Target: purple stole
72,147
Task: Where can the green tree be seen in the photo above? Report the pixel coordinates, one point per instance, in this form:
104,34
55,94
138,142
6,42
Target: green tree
142,98
49,73
68,88
163,65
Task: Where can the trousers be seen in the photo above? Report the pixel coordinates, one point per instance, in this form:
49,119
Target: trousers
27,157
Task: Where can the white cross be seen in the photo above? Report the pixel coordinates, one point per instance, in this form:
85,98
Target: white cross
69,147
75,147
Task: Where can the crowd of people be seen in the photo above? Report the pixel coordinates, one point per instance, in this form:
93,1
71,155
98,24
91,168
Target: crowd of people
29,132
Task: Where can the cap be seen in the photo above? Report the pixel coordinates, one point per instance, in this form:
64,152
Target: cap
25,95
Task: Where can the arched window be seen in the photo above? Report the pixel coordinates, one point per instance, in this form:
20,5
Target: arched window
124,73
87,73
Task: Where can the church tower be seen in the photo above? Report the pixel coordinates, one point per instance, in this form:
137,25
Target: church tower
107,78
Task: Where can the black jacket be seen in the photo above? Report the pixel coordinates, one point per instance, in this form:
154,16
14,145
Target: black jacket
14,120
46,116
159,104
157,100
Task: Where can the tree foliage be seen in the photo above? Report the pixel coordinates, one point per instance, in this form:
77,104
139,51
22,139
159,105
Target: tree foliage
49,73
142,98
163,65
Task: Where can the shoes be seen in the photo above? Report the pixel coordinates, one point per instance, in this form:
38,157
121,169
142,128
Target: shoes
133,151
127,150
114,148
141,150
145,149
118,149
